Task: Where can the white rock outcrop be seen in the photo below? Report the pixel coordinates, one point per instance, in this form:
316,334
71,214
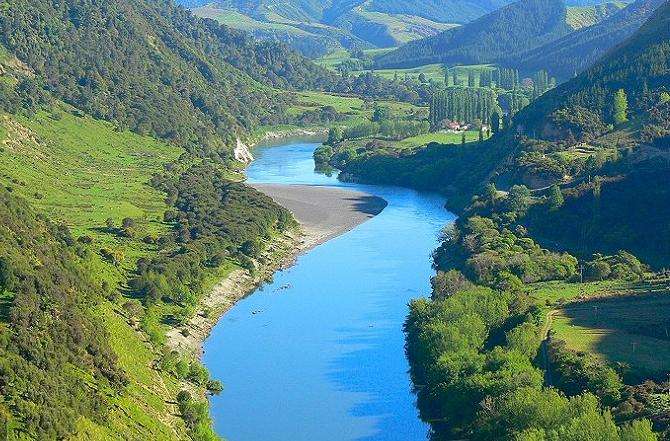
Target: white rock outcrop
242,152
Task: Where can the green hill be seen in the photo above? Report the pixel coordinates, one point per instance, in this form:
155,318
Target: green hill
154,68
117,122
571,136
499,35
577,51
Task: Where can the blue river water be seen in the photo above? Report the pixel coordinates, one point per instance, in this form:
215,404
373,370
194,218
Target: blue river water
324,358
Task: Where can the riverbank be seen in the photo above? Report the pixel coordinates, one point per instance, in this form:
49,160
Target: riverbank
323,214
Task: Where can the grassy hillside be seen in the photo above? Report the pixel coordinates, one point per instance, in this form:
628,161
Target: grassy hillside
499,35
584,16
106,155
79,172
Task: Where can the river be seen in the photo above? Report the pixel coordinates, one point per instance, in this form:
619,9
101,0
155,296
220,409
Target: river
318,354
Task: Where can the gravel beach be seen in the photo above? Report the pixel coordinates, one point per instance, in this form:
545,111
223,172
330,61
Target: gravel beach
324,212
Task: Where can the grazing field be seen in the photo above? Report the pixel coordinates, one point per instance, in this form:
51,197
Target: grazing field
356,109
439,137
559,292
244,22
633,330
333,59
404,28
434,72
82,171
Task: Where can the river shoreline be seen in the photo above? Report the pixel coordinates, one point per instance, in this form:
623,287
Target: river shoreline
323,213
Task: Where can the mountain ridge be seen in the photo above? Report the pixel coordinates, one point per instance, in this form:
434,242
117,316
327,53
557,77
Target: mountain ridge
510,30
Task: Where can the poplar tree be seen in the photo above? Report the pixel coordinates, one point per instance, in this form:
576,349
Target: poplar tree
620,107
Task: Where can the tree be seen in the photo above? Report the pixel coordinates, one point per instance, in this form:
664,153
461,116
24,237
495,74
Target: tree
495,122
639,430
6,275
556,199
519,198
620,107
381,113
128,222
215,387
335,135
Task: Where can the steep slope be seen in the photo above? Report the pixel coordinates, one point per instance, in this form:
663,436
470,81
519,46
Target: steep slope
577,51
639,66
152,67
501,34
624,207
87,88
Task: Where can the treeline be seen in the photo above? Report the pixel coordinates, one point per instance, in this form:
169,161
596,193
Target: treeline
214,220
463,105
51,339
390,130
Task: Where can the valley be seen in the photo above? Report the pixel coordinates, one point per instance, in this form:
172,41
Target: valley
442,219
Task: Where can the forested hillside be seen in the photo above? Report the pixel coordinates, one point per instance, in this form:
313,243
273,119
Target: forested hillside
497,36
577,51
152,67
609,121
117,121
51,340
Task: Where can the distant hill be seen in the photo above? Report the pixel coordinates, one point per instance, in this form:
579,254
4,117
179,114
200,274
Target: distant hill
639,65
316,28
584,16
511,30
577,51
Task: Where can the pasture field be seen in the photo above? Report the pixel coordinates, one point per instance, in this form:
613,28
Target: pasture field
356,109
81,171
622,323
439,137
333,59
404,28
434,72
632,330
